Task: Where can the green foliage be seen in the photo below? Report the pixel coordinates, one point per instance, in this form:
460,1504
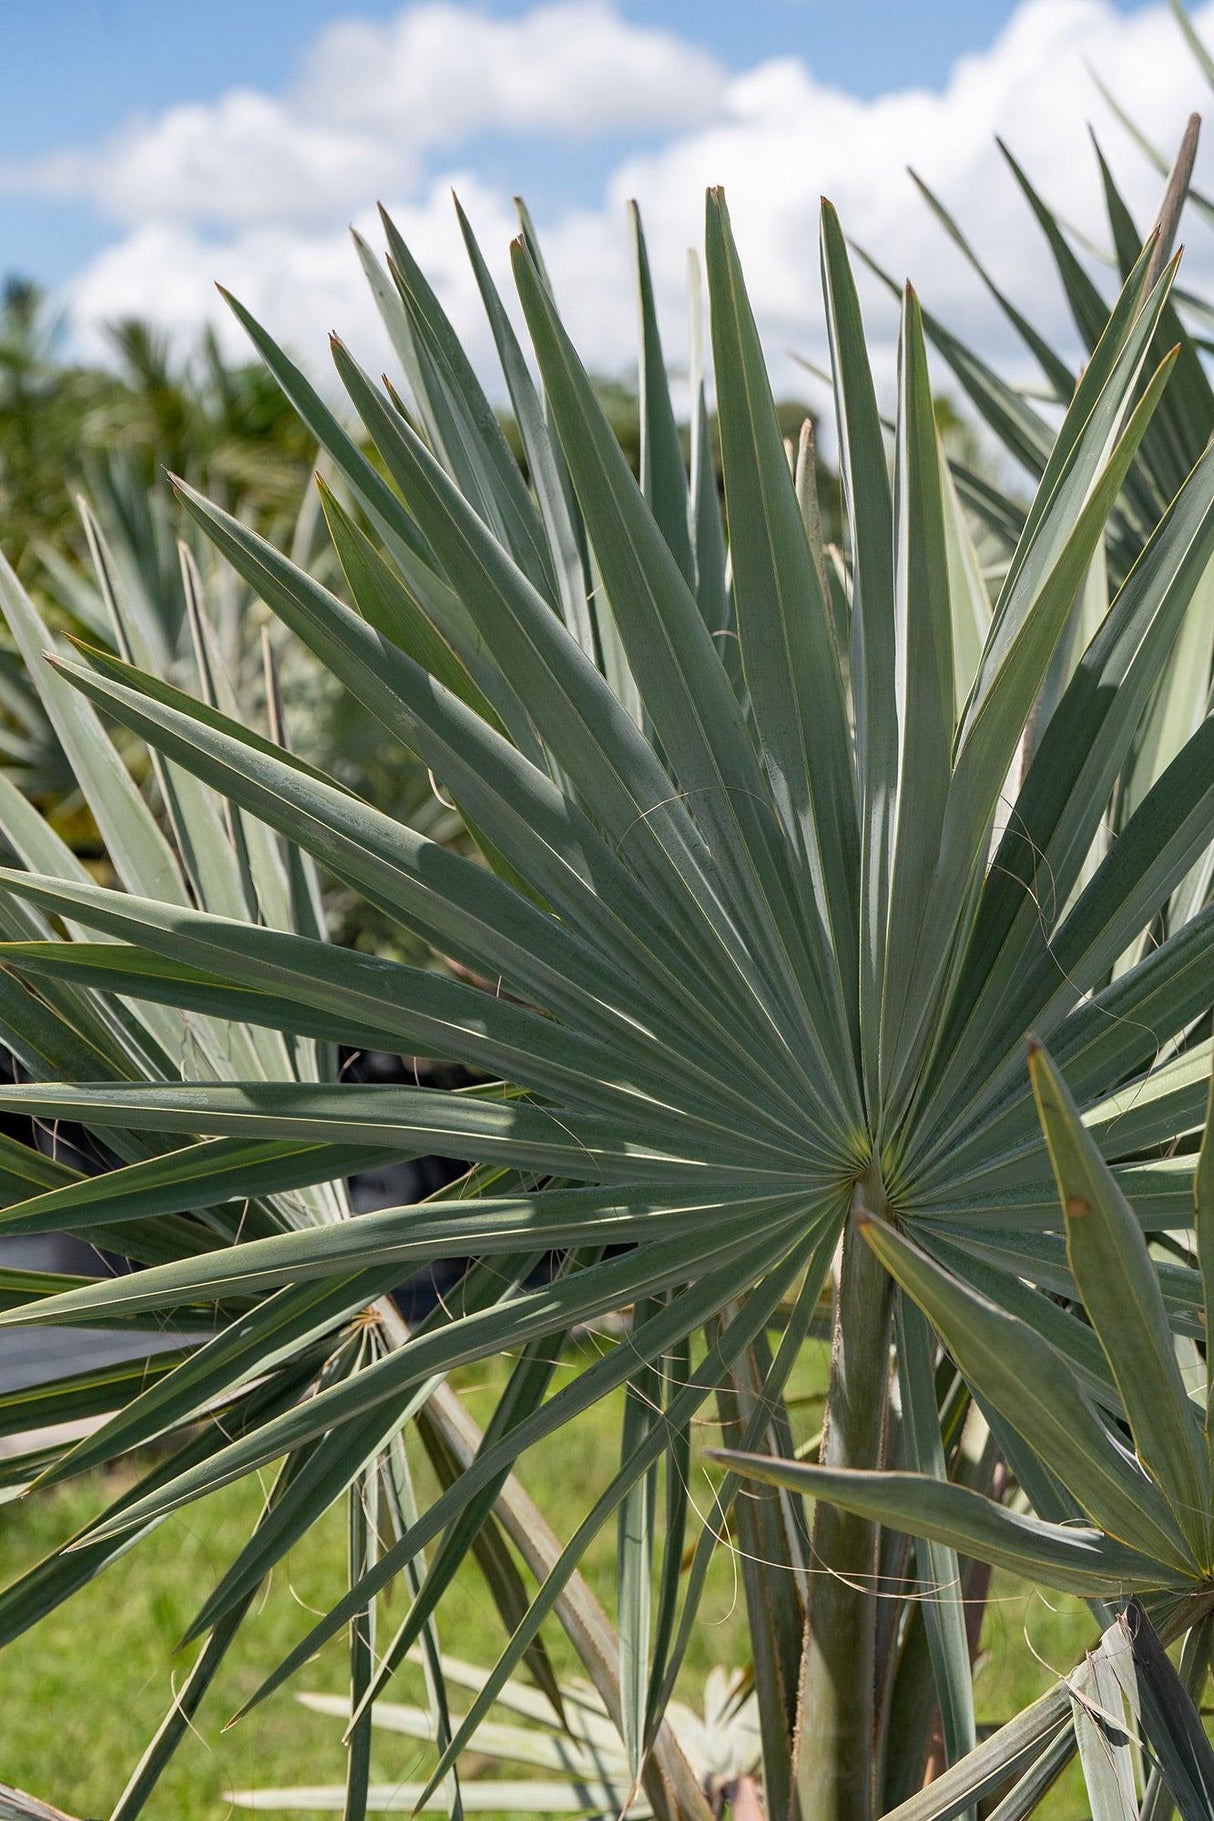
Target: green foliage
65,426
781,850
1149,1509
76,1722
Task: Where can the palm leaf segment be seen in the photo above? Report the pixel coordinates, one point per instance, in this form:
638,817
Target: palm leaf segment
1106,1520
775,886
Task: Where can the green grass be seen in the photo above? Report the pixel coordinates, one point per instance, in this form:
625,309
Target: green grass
82,1693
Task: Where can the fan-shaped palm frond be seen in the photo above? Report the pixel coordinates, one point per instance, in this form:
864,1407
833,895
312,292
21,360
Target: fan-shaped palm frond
774,883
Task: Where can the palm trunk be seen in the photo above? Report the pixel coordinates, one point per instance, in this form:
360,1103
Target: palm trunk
835,1733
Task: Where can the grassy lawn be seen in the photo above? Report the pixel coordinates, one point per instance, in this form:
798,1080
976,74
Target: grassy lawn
80,1695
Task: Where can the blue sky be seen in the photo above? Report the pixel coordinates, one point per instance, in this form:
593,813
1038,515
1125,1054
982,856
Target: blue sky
148,147
78,69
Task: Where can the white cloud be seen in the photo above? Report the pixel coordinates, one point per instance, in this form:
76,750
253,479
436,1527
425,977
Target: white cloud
372,100
774,135
246,158
784,139
302,286
438,73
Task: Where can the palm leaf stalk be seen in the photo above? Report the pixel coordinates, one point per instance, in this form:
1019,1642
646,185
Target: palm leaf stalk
583,1756
762,936
1024,1382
